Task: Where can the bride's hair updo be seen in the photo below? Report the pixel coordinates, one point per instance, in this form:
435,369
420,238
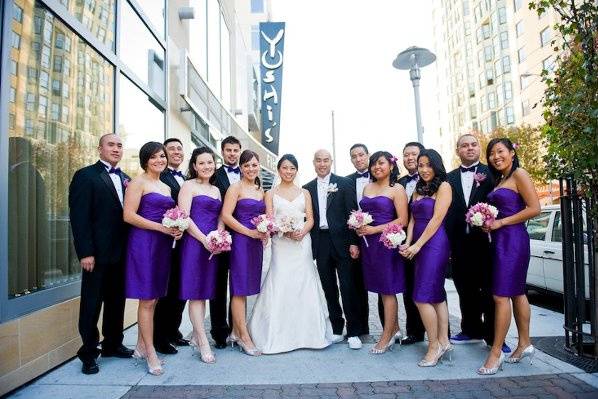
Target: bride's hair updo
288,157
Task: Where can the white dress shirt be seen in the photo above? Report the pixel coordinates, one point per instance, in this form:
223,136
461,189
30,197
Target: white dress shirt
232,176
178,178
467,182
116,180
410,187
322,198
360,184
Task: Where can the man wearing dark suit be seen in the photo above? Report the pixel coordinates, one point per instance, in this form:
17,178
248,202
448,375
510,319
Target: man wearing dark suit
470,249
169,309
96,196
226,175
333,246
414,326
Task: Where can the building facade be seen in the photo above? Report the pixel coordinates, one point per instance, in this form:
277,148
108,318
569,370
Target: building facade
71,71
490,57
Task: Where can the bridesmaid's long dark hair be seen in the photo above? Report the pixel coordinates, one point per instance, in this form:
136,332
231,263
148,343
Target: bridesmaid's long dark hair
245,157
394,172
495,173
429,189
191,172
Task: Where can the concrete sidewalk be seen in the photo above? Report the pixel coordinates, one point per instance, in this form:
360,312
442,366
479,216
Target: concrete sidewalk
336,365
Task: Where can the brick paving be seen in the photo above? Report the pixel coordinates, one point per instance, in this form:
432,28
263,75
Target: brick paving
538,386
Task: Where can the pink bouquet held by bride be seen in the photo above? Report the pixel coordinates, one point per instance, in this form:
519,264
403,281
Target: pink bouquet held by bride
392,236
176,217
218,241
359,219
265,224
481,215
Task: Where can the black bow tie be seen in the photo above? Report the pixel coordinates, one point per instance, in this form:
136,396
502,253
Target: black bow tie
364,174
470,169
412,177
116,171
232,169
176,173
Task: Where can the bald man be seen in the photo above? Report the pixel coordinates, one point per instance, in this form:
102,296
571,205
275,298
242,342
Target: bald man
334,246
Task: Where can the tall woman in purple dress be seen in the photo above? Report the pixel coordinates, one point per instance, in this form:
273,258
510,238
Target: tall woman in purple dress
244,200
428,243
201,200
149,247
383,268
516,200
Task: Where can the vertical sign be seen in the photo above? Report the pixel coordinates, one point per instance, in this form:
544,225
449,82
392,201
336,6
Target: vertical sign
271,60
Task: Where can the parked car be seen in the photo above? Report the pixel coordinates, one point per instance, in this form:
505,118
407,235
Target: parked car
546,264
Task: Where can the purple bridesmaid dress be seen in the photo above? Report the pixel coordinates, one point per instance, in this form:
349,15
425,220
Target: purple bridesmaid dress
383,268
198,272
432,259
149,252
246,253
510,246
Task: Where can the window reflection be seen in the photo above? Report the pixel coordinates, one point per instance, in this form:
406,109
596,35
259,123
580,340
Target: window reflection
154,10
214,46
141,52
139,122
97,16
58,115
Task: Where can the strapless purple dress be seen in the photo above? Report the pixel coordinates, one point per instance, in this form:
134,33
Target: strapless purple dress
432,259
383,268
246,253
510,246
149,252
198,272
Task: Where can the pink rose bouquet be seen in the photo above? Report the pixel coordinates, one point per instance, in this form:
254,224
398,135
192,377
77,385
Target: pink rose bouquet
218,241
481,215
176,217
359,219
392,236
265,224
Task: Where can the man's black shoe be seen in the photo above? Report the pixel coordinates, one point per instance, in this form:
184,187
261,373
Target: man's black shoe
220,344
166,349
90,367
122,352
411,339
180,342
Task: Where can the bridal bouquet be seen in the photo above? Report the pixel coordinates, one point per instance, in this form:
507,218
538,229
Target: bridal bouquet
359,219
176,217
218,241
392,236
264,224
480,215
287,224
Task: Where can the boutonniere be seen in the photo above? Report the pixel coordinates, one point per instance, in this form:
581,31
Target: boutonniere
479,178
332,188
126,183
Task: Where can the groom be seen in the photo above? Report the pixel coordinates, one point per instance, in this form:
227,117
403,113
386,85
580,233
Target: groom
333,246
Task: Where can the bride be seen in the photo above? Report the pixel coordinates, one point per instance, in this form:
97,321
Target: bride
291,311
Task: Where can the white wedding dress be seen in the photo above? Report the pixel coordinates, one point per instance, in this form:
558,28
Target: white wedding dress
290,312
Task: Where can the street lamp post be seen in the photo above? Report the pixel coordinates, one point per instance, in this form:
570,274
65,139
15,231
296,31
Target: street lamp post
413,59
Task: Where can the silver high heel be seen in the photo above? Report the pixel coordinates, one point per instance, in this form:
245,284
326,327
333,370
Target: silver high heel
492,370
529,352
448,350
400,336
205,352
249,351
389,346
231,339
438,358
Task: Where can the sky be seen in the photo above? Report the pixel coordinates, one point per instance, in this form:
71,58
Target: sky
338,56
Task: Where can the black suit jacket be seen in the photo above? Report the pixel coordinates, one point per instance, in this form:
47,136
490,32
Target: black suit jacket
339,205
222,181
353,181
455,224
167,178
96,215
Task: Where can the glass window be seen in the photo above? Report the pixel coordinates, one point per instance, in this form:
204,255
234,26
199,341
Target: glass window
257,6
502,15
154,10
12,95
519,28
140,122
255,37
492,100
517,4
509,115
98,16
16,40
18,13
507,90
141,52
486,31
225,54
498,68
504,40
557,230
521,56
198,37
214,67
45,57
545,37
524,81
42,158
548,64
537,226
525,108
506,64
488,53
13,67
